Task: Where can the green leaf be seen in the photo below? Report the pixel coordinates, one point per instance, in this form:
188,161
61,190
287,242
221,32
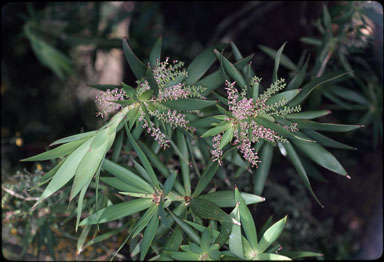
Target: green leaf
326,141
80,204
175,240
121,186
227,198
58,151
155,53
298,254
286,95
263,170
186,228
235,242
104,236
308,114
312,125
183,256
154,159
311,41
309,87
126,176
73,138
149,235
320,156
348,94
184,104
182,144
270,256
205,241
142,171
227,137
66,171
81,240
246,220
117,211
298,79
236,51
209,210
201,64
216,130
285,61
211,82
205,178
91,161
277,62
118,145
271,235
168,185
266,225
131,92
143,159
138,67
300,169
232,70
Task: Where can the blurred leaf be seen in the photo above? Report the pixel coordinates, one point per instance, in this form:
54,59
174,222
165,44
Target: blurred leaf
348,94
298,79
298,254
215,130
81,240
311,41
277,62
201,64
263,170
104,88
117,211
236,51
155,55
285,61
227,137
270,256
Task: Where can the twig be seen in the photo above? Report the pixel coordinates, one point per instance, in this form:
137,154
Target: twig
19,196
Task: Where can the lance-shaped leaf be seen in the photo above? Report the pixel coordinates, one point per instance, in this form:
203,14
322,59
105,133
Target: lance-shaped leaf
117,211
186,228
298,79
271,235
73,138
320,156
91,161
298,254
169,183
216,130
183,256
227,137
205,178
209,210
202,63
149,235
235,243
300,169
121,186
80,204
81,240
138,67
286,96
326,141
60,151
65,172
246,220
104,236
308,114
277,62
143,158
270,256
182,144
231,69
155,54
309,87
308,124
263,170
227,198
284,60
126,176
189,104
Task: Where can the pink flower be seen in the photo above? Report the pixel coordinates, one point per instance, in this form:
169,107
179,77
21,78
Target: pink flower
105,98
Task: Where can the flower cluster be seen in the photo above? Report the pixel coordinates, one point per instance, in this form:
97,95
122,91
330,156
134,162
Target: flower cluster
244,112
105,101
173,93
172,117
164,72
155,132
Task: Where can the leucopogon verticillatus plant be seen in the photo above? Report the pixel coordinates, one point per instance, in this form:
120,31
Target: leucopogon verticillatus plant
173,103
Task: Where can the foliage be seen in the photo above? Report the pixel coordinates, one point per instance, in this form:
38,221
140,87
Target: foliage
177,106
